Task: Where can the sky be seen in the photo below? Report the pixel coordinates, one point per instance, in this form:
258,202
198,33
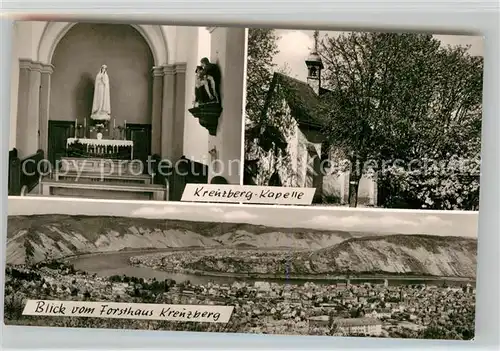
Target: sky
295,45
443,223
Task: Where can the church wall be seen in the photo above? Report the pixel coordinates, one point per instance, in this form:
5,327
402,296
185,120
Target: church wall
293,149
300,140
367,194
169,33
228,50
296,171
288,172
336,189
25,46
77,59
14,85
302,156
333,187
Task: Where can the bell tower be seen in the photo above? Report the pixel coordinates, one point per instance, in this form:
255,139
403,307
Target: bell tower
314,66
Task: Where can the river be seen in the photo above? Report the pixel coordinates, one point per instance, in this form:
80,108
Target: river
117,263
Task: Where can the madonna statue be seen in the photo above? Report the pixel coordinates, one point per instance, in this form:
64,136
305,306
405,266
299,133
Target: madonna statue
101,106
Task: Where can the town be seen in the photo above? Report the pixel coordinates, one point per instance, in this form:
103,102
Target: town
378,310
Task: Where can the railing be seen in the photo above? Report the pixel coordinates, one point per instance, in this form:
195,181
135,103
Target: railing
25,174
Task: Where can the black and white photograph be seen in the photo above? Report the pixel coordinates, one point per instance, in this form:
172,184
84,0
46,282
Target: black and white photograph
120,111
384,120
111,123
283,270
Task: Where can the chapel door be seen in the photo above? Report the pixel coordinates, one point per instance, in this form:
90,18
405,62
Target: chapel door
140,134
59,132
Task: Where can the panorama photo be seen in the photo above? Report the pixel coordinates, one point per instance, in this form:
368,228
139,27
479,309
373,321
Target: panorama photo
284,270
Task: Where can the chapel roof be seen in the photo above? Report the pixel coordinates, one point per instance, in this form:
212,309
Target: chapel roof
304,103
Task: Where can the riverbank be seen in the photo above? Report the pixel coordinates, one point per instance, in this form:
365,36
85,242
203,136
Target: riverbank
273,265
108,264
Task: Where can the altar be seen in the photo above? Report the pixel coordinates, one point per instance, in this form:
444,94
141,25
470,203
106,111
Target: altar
102,165
103,169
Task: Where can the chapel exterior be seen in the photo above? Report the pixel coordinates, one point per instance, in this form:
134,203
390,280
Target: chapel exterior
296,125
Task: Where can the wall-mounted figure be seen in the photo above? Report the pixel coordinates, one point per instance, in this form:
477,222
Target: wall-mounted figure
208,105
205,91
212,72
101,106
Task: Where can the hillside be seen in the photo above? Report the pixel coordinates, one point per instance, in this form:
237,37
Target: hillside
416,254
36,238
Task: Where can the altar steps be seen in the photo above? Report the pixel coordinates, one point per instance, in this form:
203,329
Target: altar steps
102,179
101,166
104,190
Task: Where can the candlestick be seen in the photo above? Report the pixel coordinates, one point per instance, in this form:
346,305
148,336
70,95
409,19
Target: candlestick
114,123
76,126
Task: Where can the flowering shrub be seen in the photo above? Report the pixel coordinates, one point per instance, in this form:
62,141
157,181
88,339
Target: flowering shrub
449,185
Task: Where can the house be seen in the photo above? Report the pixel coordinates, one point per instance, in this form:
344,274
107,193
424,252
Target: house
359,326
381,313
292,148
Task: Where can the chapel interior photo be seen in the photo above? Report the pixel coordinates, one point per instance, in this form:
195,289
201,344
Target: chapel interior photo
120,111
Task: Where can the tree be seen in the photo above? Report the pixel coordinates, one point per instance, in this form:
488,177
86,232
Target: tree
262,47
437,332
263,159
404,97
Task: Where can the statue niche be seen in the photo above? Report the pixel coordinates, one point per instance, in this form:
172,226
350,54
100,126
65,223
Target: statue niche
207,105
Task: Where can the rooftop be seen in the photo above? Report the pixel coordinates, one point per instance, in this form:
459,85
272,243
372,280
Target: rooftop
319,318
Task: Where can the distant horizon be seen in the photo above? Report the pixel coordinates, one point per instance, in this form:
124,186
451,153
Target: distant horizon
381,221
368,233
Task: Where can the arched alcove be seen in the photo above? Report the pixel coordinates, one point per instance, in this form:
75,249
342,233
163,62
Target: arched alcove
77,58
154,35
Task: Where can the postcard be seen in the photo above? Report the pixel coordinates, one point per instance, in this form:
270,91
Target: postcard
244,180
